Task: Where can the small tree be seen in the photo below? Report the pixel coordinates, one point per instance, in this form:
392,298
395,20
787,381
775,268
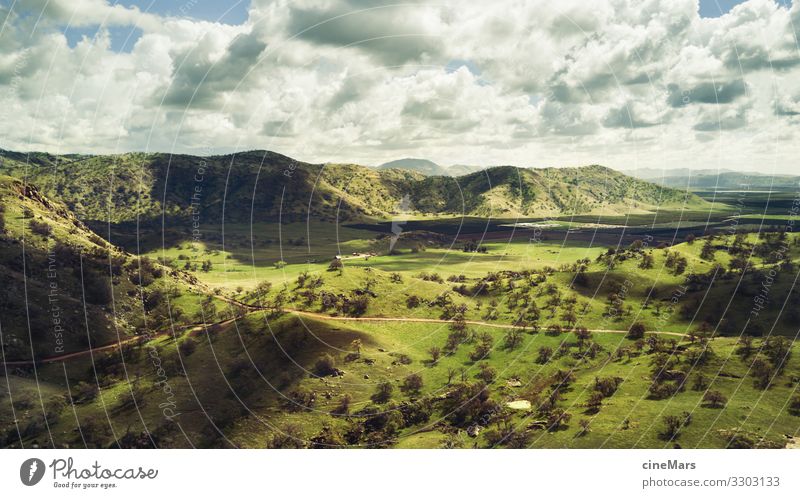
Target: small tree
436,353
412,384
383,392
545,353
325,365
486,373
714,399
636,331
794,406
672,427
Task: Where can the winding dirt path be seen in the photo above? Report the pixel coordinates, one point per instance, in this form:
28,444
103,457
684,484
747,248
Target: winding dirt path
193,329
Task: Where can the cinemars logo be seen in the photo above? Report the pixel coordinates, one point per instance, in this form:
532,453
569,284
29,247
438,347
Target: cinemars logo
67,474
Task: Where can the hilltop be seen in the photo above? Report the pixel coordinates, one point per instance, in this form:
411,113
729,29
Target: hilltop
263,185
424,166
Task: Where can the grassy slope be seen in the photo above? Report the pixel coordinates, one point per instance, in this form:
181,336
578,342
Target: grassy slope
221,380
60,278
262,185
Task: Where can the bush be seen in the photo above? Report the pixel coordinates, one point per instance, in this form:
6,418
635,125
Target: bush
412,384
636,331
187,346
40,228
714,399
325,366
383,392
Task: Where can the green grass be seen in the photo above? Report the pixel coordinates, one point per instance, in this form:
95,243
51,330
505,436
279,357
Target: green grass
748,409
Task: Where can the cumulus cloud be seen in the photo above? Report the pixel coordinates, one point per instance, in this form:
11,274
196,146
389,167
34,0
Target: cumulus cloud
528,82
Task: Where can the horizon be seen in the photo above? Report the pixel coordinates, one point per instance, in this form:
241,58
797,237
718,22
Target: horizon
627,171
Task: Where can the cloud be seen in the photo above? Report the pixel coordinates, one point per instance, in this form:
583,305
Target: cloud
720,120
708,92
509,81
392,34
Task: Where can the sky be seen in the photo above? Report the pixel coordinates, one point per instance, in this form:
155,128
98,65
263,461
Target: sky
626,83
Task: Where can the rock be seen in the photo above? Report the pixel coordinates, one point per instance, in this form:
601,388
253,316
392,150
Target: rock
519,404
366,376
473,430
514,383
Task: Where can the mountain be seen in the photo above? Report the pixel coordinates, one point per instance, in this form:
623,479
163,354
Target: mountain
731,180
463,169
653,174
424,166
183,191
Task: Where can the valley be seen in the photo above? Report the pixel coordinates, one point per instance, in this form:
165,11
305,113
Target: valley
341,306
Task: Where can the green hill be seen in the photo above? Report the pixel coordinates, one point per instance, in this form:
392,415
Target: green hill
262,185
64,288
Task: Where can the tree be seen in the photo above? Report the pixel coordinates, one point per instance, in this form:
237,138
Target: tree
583,335
680,265
714,399
569,318
513,339
483,348
707,252
344,405
412,301
383,392
794,406
325,365
436,353
553,329
647,261
486,373
594,402
545,353
672,427
412,384
636,331
206,266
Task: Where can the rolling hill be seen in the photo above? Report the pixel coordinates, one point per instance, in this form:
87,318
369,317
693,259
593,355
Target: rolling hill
260,185
63,288
424,166
706,179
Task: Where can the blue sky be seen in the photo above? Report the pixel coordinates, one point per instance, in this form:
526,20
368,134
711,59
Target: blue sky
716,8
124,38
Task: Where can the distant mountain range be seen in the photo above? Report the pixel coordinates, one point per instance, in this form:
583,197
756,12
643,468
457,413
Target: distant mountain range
261,185
430,168
711,179
424,166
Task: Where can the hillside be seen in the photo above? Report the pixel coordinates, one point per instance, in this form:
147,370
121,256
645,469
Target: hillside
424,166
709,179
64,288
261,185
730,180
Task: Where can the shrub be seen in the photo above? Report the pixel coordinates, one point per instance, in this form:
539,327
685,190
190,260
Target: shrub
383,392
636,331
412,384
325,365
714,399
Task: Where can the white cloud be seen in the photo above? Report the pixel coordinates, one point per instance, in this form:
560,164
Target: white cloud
619,82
